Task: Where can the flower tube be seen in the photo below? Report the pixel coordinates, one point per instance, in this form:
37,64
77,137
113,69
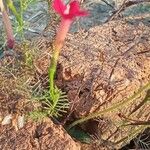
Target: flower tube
68,13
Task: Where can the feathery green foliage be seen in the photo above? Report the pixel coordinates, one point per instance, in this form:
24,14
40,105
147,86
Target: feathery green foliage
19,12
57,105
53,104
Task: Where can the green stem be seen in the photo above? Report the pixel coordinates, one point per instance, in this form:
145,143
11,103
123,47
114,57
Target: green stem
58,43
113,108
13,9
52,71
21,18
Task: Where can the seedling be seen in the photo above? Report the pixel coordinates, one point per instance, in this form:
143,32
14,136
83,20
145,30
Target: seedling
68,13
55,101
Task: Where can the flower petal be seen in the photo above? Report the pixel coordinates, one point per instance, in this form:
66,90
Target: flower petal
82,13
75,9
59,6
72,12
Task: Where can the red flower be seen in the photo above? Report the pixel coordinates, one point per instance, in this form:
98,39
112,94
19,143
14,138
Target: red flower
69,11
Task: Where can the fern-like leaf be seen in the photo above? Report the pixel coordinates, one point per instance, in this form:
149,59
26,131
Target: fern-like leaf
59,103
37,115
55,105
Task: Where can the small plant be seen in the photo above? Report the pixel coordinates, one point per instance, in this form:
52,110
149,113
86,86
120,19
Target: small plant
19,18
55,101
67,13
23,5
142,141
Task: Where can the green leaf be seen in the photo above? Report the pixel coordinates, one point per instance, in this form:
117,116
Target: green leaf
80,135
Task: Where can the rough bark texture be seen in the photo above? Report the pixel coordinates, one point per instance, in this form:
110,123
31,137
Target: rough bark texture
108,64
36,136
103,66
112,61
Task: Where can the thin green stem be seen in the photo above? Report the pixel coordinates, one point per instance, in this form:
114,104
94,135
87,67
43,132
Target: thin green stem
52,71
13,9
21,17
113,108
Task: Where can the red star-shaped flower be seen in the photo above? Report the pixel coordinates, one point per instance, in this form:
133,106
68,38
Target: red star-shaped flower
69,11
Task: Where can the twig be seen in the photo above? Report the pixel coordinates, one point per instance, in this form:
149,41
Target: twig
105,1
125,4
